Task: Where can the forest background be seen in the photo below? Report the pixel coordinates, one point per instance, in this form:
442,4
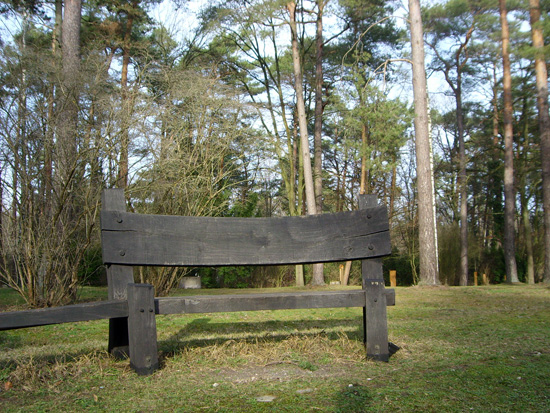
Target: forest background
195,109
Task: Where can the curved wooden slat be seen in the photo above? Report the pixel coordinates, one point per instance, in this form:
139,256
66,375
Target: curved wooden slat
139,239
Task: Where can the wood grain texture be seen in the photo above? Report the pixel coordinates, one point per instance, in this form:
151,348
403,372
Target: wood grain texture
188,304
66,314
266,301
138,239
375,320
142,329
118,278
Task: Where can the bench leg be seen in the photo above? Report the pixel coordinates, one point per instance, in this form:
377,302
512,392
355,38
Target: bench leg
142,329
118,277
375,321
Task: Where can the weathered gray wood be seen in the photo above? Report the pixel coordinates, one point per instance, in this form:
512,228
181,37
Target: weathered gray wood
374,313
142,329
188,304
375,321
66,314
265,301
118,278
136,239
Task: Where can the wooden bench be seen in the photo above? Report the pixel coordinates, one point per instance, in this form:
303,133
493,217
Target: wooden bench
130,239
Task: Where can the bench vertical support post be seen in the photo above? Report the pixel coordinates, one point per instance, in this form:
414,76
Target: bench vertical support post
375,323
142,329
118,278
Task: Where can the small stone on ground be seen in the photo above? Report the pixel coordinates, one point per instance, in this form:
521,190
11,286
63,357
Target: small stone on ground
265,399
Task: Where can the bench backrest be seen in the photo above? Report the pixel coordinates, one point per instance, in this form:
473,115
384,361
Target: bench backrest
161,240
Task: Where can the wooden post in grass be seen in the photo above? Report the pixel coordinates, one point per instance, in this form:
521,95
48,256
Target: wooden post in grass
475,278
142,329
393,278
375,323
118,278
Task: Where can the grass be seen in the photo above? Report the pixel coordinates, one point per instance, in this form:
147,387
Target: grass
484,349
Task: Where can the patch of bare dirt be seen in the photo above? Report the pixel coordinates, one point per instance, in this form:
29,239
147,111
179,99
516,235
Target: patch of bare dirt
283,371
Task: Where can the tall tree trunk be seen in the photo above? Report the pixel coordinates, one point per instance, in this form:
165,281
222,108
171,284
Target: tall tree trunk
509,190
429,274
318,269
300,281
528,237
2,252
122,180
302,121
68,116
495,194
49,143
462,186
544,125
318,127
393,190
364,187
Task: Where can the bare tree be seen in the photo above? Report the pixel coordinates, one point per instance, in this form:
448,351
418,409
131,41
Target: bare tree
429,273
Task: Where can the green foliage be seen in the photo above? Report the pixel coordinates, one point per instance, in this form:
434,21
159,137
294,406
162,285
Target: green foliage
234,277
449,254
246,277
91,270
402,265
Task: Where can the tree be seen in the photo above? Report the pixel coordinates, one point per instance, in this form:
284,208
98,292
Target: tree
197,158
53,208
509,190
319,107
429,273
304,135
68,114
455,22
544,124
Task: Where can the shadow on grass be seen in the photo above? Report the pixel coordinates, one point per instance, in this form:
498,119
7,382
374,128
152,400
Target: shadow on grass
250,332
202,332
9,341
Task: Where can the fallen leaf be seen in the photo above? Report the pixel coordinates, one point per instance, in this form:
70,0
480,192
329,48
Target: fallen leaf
8,385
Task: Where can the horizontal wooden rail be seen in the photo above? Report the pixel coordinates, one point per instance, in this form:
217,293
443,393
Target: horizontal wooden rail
266,301
139,239
66,314
188,305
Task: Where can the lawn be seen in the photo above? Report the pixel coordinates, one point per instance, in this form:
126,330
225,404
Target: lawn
462,349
